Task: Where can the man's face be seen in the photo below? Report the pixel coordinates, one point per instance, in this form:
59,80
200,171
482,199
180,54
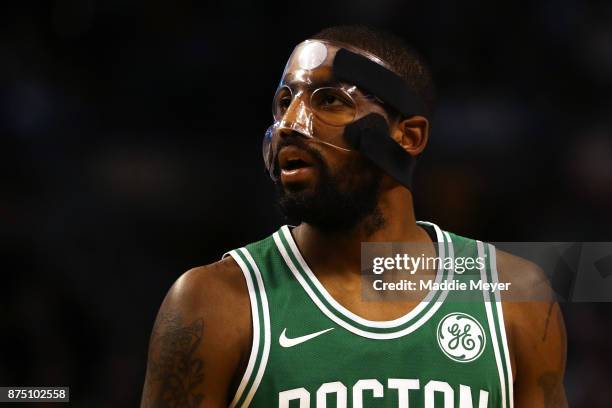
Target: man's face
330,189
320,179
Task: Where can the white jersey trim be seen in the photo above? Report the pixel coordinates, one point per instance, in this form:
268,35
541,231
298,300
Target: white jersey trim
491,322
267,331
352,316
256,329
371,335
502,326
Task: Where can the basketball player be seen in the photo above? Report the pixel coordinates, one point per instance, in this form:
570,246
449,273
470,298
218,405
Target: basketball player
282,322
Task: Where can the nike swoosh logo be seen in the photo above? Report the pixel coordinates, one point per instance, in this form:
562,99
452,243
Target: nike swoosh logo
287,342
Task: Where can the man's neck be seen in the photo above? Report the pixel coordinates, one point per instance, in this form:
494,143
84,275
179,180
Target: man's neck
341,251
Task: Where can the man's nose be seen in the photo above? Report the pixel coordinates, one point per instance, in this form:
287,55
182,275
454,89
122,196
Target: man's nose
297,117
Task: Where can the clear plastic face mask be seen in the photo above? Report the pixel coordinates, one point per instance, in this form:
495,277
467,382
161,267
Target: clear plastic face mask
312,103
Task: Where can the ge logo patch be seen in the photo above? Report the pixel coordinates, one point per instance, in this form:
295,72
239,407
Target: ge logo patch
461,337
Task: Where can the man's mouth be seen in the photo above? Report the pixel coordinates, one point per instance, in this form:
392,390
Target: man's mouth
296,164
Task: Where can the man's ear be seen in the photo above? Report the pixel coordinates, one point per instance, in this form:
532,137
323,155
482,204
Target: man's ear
412,134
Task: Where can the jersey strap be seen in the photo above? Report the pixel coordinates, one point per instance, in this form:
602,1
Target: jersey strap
261,328
495,316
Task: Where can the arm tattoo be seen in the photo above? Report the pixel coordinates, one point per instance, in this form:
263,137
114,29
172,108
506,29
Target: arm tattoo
550,307
551,386
172,367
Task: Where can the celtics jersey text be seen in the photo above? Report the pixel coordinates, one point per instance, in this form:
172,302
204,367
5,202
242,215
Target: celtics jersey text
310,351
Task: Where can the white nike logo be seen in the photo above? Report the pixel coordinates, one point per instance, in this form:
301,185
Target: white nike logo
287,342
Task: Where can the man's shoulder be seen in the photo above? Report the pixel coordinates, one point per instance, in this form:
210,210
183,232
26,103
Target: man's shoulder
217,295
529,303
529,292
223,276
204,322
528,280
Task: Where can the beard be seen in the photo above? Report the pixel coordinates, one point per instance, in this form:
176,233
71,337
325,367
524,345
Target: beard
339,202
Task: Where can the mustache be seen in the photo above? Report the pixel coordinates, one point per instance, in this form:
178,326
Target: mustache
295,139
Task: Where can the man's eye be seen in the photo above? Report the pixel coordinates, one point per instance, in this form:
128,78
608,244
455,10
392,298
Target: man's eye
331,100
284,104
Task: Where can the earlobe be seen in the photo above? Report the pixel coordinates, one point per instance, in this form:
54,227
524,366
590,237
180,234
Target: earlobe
412,134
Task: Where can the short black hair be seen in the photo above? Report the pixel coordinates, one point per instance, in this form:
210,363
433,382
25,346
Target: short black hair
403,59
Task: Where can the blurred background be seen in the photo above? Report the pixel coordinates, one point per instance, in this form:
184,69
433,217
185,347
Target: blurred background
130,151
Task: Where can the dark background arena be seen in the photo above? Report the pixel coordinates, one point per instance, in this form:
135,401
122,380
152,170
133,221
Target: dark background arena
130,151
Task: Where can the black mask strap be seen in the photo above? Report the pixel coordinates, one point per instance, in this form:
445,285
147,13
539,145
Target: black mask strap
377,80
370,136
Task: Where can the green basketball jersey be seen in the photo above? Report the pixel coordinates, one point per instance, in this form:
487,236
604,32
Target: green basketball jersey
310,351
